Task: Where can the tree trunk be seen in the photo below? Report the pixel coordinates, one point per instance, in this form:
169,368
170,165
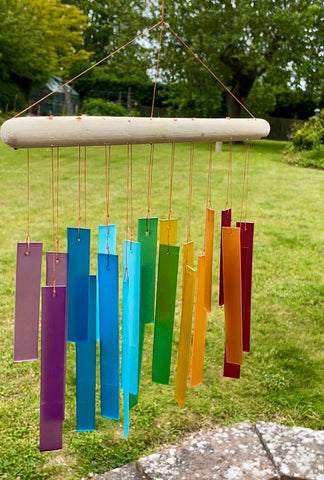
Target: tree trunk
68,99
241,91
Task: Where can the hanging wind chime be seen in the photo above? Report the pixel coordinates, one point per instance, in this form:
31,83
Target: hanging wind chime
82,308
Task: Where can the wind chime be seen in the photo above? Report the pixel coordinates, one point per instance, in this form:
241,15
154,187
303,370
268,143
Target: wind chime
83,308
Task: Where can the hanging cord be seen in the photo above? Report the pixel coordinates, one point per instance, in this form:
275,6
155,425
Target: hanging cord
170,194
57,203
149,188
210,166
158,58
28,202
107,170
244,199
85,185
190,190
79,191
229,193
207,68
53,219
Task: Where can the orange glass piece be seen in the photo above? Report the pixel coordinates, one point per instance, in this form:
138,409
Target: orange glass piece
185,335
209,244
188,259
168,231
200,321
231,247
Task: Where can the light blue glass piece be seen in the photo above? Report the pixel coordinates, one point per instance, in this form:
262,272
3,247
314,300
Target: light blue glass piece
130,320
86,369
102,248
109,335
78,247
112,232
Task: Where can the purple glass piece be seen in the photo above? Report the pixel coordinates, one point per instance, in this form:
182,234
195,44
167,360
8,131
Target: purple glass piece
59,262
53,364
247,232
50,434
28,279
225,222
231,370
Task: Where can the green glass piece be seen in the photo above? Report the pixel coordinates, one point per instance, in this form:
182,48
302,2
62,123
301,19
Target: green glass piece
147,236
164,314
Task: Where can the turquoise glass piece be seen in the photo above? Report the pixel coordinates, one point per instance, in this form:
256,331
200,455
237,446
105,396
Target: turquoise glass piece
86,369
78,247
109,334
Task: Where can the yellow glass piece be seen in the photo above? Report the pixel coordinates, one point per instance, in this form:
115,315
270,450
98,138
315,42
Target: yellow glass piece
185,335
231,246
209,245
188,259
200,321
168,231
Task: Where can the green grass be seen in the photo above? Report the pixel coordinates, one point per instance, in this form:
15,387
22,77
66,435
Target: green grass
282,378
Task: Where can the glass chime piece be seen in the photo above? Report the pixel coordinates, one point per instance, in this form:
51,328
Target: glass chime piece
247,233
168,231
232,293
108,286
164,313
209,243
147,236
60,259
130,323
53,367
231,370
183,365
107,237
78,246
200,322
86,369
225,222
28,280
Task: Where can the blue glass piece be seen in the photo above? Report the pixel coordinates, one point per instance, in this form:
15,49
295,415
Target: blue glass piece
78,247
111,230
109,334
86,369
130,318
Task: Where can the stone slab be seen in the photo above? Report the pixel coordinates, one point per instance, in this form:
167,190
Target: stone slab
127,472
234,453
297,453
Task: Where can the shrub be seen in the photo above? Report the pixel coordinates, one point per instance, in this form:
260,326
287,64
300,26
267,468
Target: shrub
99,106
311,135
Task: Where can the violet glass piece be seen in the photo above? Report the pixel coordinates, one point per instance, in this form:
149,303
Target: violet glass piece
247,232
225,222
53,367
59,262
28,279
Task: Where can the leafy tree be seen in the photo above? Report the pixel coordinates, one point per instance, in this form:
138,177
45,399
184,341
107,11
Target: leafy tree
37,38
278,41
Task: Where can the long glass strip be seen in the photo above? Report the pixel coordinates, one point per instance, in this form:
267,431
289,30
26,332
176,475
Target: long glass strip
56,265
225,222
209,247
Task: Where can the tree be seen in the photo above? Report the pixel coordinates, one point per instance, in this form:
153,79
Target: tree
38,38
280,42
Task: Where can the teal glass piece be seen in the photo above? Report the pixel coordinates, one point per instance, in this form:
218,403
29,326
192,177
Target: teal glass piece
130,322
109,335
107,236
78,247
147,236
86,369
164,313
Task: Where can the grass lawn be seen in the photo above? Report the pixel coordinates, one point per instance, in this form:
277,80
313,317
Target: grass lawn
282,378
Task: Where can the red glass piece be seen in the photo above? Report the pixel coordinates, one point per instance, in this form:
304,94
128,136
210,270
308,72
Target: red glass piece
225,222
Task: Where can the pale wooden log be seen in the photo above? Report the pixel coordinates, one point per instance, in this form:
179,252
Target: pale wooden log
40,132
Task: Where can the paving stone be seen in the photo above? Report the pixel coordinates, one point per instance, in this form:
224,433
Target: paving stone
298,453
234,453
128,472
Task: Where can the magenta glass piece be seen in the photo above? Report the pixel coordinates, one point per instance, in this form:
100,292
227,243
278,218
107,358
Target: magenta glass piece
231,370
28,279
59,262
53,365
225,222
50,434
247,232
